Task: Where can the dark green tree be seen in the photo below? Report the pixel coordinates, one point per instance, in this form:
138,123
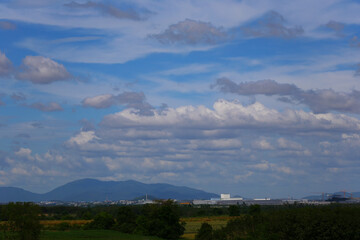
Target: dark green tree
205,232
102,220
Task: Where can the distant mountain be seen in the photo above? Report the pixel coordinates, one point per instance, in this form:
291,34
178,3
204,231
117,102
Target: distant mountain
95,190
12,194
328,195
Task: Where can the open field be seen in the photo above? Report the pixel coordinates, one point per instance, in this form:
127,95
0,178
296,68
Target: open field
194,223
92,234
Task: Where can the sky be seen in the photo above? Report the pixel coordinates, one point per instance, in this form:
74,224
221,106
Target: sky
255,98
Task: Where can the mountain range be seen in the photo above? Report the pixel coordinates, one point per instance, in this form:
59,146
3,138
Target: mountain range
96,190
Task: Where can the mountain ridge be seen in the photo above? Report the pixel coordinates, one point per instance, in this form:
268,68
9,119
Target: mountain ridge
89,189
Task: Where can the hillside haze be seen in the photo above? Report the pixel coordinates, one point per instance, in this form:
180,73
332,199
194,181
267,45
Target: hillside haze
96,190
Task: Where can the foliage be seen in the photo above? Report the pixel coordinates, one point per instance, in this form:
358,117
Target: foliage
295,223
102,220
22,221
234,210
125,220
205,232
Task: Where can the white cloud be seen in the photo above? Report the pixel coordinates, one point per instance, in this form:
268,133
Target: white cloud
82,138
100,101
262,144
42,70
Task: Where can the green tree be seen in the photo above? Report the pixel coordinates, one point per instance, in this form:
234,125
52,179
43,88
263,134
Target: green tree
23,221
125,220
161,220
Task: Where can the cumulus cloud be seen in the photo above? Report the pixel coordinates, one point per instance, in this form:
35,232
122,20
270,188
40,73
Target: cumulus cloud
24,153
50,107
5,65
319,100
191,32
7,25
108,9
136,100
42,70
272,25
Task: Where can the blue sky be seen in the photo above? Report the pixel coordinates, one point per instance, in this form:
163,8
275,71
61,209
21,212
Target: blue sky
254,98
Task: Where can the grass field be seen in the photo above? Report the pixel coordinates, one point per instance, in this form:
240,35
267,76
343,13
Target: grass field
92,234
194,223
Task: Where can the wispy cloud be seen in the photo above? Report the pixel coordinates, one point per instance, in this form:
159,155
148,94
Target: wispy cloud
337,27
107,9
134,100
319,100
19,96
191,32
6,25
50,107
272,25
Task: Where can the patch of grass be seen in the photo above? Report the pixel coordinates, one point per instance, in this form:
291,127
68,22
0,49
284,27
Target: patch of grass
92,234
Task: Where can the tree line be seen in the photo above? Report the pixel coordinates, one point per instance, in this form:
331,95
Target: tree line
22,220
